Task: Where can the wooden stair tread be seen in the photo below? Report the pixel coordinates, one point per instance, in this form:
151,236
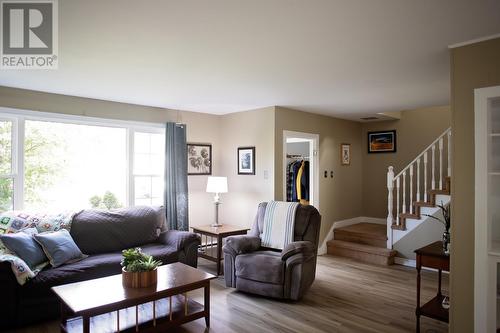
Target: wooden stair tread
398,227
423,204
380,251
364,230
444,192
409,216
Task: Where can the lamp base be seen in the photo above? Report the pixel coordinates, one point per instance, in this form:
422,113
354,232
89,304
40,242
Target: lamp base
217,203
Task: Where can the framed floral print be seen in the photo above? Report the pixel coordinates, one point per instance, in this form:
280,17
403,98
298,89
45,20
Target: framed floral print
199,159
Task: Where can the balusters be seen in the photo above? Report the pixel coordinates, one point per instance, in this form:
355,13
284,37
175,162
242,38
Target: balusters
449,153
441,163
425,176
418,179
404,192
411,189
433,165
419,182
397,200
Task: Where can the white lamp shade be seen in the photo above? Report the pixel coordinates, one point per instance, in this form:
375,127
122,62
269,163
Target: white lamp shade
217,185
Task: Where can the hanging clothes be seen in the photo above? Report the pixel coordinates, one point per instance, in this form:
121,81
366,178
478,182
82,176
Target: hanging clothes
289,182
304,184
297,182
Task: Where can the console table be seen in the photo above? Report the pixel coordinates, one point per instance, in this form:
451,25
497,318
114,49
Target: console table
432,256
210,252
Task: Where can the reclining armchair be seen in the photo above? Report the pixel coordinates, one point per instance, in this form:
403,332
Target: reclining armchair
286,274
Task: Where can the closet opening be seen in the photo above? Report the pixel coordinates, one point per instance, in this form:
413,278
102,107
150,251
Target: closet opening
301,167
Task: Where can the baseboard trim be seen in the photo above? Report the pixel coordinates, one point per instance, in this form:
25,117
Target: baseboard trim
375,220
344,223
405,262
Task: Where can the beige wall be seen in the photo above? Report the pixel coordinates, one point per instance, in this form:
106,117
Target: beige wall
415,131
472,66
39,101
340,196
246,129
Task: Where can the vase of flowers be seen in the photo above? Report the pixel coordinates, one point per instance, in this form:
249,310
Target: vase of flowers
446,221
139,270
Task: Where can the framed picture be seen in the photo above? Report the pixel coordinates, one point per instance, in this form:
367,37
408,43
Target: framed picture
246,161
345,153
382,142
199,159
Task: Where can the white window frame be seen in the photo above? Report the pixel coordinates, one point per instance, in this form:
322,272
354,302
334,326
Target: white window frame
16,161
131,162
19,118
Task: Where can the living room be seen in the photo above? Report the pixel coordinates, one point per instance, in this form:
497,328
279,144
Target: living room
132,89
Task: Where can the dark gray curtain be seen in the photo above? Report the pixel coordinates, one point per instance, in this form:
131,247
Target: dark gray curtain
176,182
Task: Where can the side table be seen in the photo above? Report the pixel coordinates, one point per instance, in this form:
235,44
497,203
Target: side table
432,256
213,252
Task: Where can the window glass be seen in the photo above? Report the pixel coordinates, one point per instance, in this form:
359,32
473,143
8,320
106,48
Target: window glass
149,159
73,166
6,194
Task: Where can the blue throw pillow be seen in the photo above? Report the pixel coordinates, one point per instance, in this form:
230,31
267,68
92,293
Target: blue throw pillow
24,246
59,247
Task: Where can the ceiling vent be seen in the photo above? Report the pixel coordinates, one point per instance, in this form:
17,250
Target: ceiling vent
369,118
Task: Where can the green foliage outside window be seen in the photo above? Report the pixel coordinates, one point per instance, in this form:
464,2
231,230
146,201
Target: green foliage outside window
107,201
40,169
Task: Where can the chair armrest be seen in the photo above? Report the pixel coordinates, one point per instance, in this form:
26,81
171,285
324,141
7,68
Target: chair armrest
181,240
303,247
241,244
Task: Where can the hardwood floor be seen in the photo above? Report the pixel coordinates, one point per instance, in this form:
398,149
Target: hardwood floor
347,296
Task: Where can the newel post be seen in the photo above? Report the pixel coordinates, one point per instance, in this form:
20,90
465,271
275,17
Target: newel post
390,201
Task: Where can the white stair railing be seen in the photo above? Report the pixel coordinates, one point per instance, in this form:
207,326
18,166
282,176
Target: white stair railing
416,183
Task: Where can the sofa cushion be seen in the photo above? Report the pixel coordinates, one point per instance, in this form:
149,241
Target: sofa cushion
262,266
25,247
95,266
98,231
59,247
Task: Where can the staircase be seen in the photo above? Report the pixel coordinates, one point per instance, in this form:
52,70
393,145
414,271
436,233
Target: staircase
363,241
419,188
413,195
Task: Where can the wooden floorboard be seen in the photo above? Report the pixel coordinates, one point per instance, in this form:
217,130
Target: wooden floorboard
347,296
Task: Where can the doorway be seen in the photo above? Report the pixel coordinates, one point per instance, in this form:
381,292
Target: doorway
300,160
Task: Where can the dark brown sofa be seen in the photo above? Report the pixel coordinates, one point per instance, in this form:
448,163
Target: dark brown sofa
286,274
102,235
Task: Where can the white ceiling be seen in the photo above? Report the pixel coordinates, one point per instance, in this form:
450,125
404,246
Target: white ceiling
348,58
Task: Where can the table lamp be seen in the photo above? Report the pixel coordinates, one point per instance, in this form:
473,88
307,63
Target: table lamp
217,185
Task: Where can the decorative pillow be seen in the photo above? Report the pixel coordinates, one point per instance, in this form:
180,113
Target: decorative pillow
24,246
59,247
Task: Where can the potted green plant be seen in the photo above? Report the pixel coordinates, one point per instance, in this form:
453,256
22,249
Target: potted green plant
139,270
446,221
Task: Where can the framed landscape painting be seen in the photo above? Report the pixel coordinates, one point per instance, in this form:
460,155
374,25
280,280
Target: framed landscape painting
246,161
199,159
382,142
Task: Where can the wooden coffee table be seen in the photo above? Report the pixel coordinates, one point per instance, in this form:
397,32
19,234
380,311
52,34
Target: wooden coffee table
214,253
104,305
